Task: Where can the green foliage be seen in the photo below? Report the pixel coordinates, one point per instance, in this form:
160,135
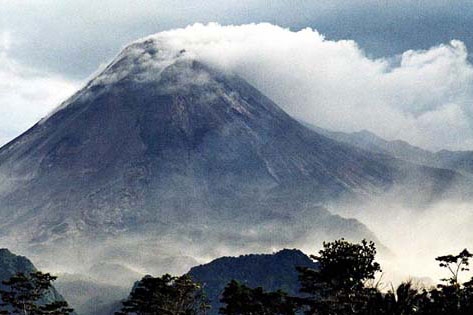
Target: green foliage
24,291
240,300
165,295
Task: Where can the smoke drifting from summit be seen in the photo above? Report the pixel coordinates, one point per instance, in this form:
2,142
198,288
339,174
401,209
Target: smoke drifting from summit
422,97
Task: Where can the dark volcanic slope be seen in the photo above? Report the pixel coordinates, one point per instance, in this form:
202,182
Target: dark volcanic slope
158,138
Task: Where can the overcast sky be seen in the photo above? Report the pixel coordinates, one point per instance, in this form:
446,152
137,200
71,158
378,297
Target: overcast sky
48,48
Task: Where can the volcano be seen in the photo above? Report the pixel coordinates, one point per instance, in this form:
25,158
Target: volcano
159,138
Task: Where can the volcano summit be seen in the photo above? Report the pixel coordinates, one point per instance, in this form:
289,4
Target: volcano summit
160,139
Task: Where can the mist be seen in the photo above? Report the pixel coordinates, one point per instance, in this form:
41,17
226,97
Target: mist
123,258
415,236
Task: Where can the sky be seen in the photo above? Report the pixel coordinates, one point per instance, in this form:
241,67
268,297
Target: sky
398,68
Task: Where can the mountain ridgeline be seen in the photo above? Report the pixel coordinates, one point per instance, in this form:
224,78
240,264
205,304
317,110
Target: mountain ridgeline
272,272
461,161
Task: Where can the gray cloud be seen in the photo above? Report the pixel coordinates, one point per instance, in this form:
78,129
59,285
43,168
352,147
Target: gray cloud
25,93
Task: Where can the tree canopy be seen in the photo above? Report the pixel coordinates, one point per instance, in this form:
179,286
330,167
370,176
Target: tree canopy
23,293
338,285
341,284
166,295
240,300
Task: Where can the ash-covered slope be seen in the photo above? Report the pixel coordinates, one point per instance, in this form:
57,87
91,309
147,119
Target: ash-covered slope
158,139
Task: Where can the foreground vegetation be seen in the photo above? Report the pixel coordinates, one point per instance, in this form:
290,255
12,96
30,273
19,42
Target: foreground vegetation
342,284
23,294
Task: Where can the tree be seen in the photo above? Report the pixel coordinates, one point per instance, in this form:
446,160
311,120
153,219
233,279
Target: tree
56,308
24,292
242,300
165,295
404,300
450,297
338,285
455,264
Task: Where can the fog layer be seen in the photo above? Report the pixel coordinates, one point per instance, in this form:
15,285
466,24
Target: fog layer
415,237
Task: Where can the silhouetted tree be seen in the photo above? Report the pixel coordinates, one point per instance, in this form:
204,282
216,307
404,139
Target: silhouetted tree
165,295
455,264
338,285
450,297
404,300
23,294
242,300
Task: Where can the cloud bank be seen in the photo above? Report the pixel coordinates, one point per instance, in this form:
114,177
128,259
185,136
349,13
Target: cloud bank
25,94
423,97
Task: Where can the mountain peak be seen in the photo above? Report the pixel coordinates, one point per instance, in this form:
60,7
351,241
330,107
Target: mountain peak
141,61
160,137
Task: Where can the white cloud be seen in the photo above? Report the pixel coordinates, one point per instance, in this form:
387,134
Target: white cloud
25,94
423,97
5,41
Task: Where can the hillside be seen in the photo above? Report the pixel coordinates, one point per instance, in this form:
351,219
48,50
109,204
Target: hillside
270,271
